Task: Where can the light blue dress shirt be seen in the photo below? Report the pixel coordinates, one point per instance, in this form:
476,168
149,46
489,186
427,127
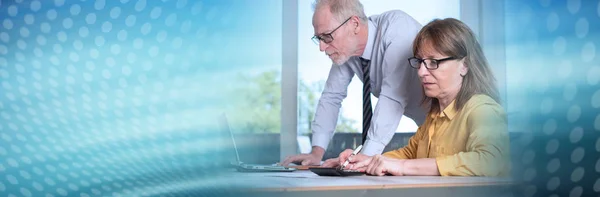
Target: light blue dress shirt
393,82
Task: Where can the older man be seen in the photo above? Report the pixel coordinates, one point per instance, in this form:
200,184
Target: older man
376,49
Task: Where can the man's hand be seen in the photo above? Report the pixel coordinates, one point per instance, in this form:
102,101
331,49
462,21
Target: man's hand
302,159
312,159
379,165
346,155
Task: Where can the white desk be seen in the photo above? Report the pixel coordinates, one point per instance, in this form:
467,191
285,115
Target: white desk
306,183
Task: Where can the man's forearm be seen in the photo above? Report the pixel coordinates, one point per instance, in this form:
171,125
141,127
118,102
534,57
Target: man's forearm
326,117
386,118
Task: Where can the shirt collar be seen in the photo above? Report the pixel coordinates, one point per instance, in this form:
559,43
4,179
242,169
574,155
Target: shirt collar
449,112
371,38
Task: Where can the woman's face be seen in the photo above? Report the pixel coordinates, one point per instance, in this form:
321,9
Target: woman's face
442,83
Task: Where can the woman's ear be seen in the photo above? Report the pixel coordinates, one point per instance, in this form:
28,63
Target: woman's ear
464,69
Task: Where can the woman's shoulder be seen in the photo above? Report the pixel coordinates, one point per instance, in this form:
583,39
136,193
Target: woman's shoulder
480,104
481,99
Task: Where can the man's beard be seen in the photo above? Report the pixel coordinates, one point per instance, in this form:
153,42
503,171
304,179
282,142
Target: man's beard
340,60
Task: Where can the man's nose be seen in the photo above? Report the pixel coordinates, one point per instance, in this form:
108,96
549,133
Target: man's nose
322,46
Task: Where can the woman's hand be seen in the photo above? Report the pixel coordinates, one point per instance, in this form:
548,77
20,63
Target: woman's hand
379,165
352,159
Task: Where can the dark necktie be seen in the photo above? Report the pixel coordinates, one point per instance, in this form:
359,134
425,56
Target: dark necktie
367,109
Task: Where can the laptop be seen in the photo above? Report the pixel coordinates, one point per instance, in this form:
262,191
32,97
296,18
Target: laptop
244,167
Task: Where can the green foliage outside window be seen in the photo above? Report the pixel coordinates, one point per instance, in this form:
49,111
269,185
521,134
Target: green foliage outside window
257,103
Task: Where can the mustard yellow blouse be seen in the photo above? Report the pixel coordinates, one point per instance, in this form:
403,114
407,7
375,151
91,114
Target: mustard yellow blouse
470,142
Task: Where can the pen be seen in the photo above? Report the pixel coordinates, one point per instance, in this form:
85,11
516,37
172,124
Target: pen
353,153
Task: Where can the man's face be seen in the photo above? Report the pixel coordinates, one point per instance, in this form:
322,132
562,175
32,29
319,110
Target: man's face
339,50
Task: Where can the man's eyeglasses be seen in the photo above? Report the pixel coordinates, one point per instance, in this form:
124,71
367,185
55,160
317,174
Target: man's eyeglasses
327,37
430,64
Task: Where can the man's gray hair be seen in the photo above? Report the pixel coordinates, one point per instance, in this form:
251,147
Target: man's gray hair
342,9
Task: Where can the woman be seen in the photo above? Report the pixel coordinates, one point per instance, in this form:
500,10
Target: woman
464,133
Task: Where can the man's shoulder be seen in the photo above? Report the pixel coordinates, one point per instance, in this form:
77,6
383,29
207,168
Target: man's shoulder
395,23
391,16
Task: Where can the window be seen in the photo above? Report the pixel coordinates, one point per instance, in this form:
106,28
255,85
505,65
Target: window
253,47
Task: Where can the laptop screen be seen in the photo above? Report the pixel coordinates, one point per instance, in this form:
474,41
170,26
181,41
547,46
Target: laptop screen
228,141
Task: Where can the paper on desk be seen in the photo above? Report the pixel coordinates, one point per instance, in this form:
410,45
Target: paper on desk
294,175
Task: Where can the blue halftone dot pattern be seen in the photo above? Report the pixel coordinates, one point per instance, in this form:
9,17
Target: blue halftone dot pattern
552,68
121,98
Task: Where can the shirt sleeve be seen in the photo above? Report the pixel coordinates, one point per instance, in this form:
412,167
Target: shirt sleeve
328,108
395,91
410,150
487,146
